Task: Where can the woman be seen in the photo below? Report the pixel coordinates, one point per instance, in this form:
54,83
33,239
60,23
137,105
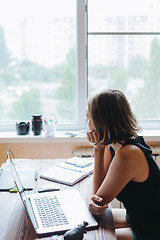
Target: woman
124,168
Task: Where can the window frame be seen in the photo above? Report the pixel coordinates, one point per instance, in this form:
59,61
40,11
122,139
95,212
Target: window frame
81,77
145,124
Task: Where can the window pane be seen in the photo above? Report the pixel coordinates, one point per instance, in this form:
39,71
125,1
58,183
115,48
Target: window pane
123,15
38,69
129,63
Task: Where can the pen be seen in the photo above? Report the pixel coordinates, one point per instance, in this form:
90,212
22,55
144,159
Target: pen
36,175
13,189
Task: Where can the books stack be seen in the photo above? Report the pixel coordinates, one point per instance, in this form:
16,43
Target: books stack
70,171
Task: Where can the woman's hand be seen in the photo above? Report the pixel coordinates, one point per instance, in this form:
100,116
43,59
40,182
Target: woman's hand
96,206
92,138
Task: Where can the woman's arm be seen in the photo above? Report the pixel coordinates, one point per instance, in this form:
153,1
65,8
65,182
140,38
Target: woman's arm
128,164
118,175
124,167
102,160
110,176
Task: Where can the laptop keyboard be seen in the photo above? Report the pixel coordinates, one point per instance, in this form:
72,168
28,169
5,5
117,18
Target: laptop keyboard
50,211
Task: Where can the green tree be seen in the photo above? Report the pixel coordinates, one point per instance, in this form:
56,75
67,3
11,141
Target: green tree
7,77
27,104
138,67
154,65
117,77
98,71
4,52
7,70
29,71
148,97
67,92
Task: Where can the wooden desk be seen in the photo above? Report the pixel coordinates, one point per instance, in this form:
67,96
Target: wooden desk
15,223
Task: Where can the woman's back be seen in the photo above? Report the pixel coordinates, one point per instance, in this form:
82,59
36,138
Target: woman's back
141,199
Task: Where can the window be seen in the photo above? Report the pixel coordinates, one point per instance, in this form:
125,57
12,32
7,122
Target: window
124,53
40,47
53,54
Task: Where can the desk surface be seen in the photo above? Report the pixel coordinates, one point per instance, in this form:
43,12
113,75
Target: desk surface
15,223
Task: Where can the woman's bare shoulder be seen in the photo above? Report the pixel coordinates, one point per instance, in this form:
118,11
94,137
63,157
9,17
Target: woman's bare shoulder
133,159
130,152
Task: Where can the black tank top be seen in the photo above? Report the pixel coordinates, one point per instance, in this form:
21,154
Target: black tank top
142,199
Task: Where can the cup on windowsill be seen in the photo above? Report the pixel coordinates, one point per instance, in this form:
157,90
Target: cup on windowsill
50,126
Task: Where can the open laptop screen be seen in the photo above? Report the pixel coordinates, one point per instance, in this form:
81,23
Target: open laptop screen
16,178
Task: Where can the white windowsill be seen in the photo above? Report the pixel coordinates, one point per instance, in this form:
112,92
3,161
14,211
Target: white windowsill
61,136
151,135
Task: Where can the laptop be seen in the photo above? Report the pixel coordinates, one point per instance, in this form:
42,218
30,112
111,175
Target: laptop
53,212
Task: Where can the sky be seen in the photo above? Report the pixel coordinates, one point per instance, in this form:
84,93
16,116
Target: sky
124,7
11,10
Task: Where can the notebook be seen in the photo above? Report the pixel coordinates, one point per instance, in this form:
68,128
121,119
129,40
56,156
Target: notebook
54,212
70,171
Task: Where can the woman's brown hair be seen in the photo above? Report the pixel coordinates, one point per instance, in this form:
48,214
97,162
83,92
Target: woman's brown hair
112,117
